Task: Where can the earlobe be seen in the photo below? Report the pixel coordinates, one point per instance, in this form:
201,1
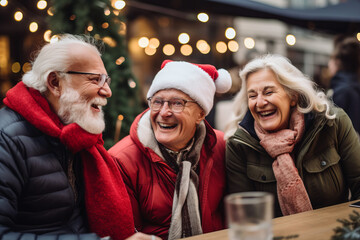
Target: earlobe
53,84
294,101
200,117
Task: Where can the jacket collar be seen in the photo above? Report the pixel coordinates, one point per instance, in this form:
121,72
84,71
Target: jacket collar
248,123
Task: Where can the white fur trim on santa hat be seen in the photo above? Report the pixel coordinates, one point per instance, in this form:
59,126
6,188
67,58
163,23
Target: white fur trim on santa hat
187,78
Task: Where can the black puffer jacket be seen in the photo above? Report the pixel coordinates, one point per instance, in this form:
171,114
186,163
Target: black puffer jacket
36,197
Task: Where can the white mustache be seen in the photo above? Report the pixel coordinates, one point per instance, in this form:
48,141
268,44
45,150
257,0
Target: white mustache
99,101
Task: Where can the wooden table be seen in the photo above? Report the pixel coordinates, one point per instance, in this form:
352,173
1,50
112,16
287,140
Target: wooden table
312,225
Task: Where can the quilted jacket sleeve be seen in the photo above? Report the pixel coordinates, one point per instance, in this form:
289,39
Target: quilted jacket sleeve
13,175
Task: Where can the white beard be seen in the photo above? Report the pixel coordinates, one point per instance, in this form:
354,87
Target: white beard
75,109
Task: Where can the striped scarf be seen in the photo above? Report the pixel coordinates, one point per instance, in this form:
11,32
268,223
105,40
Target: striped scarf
185,219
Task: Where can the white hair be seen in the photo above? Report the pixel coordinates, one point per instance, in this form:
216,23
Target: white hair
296,84
55,57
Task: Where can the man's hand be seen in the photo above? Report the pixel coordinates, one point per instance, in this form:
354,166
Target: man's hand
142,236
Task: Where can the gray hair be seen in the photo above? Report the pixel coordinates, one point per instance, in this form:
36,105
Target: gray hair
55,57
296,84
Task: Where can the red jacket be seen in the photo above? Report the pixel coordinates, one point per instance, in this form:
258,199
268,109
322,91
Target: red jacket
150,181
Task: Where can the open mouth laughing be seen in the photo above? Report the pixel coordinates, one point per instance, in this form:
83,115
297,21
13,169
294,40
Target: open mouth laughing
167,125
267,113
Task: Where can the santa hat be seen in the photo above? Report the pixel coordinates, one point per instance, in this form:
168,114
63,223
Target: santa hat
199,81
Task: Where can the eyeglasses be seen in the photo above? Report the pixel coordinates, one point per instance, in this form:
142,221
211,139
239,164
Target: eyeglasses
176,105
100,80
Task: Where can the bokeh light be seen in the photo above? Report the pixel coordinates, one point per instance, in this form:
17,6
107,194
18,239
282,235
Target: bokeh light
47,35
18,16
203,17
120,4
169,49
33,27
230,33
249,43
41,4
203,46
184,38
143,42
290,39
186,50
221,47
233,46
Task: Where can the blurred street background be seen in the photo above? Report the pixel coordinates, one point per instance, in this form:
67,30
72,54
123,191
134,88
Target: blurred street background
140,34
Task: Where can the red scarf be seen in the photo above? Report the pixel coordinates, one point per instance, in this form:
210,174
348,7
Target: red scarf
292,195
107,202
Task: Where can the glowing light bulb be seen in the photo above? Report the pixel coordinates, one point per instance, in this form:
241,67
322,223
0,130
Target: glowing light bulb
290,39
203,17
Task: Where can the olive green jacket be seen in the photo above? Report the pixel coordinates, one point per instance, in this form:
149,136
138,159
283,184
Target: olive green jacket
327,158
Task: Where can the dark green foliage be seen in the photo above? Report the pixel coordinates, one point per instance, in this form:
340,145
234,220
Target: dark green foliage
350,229
286,237
74,17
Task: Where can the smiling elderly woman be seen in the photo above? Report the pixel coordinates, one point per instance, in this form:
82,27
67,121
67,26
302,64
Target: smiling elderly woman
173,161
289,140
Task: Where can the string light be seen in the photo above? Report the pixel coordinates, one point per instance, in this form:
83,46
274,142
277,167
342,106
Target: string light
249,43
47,35
33,27
230,33
50,11
3,3
18,16
290,39
122,28
105,25
168,49
120,60
186,50
26,67
358,36
15,67
150,51
184,38
143,42
109,41
132,83
41,4
119,4
90,28
221,47
154,43
107,11
233,46
203,46
203,17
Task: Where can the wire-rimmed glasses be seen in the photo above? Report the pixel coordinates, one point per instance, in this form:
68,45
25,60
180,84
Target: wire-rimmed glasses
176,105
101,80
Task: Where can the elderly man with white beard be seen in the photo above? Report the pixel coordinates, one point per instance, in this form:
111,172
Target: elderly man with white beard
56,179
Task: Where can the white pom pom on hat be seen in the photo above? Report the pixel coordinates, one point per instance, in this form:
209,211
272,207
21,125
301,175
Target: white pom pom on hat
223,81
199,81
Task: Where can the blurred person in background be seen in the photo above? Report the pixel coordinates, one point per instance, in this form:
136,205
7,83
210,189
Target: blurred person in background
57,180
286,138
344,69
172,162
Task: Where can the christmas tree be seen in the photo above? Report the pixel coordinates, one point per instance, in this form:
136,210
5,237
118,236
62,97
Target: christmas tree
103,21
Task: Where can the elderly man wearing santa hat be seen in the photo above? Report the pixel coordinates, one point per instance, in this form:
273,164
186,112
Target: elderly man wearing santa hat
173,161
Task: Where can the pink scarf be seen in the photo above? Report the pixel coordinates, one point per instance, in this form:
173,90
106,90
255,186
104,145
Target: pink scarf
291,191
107,202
